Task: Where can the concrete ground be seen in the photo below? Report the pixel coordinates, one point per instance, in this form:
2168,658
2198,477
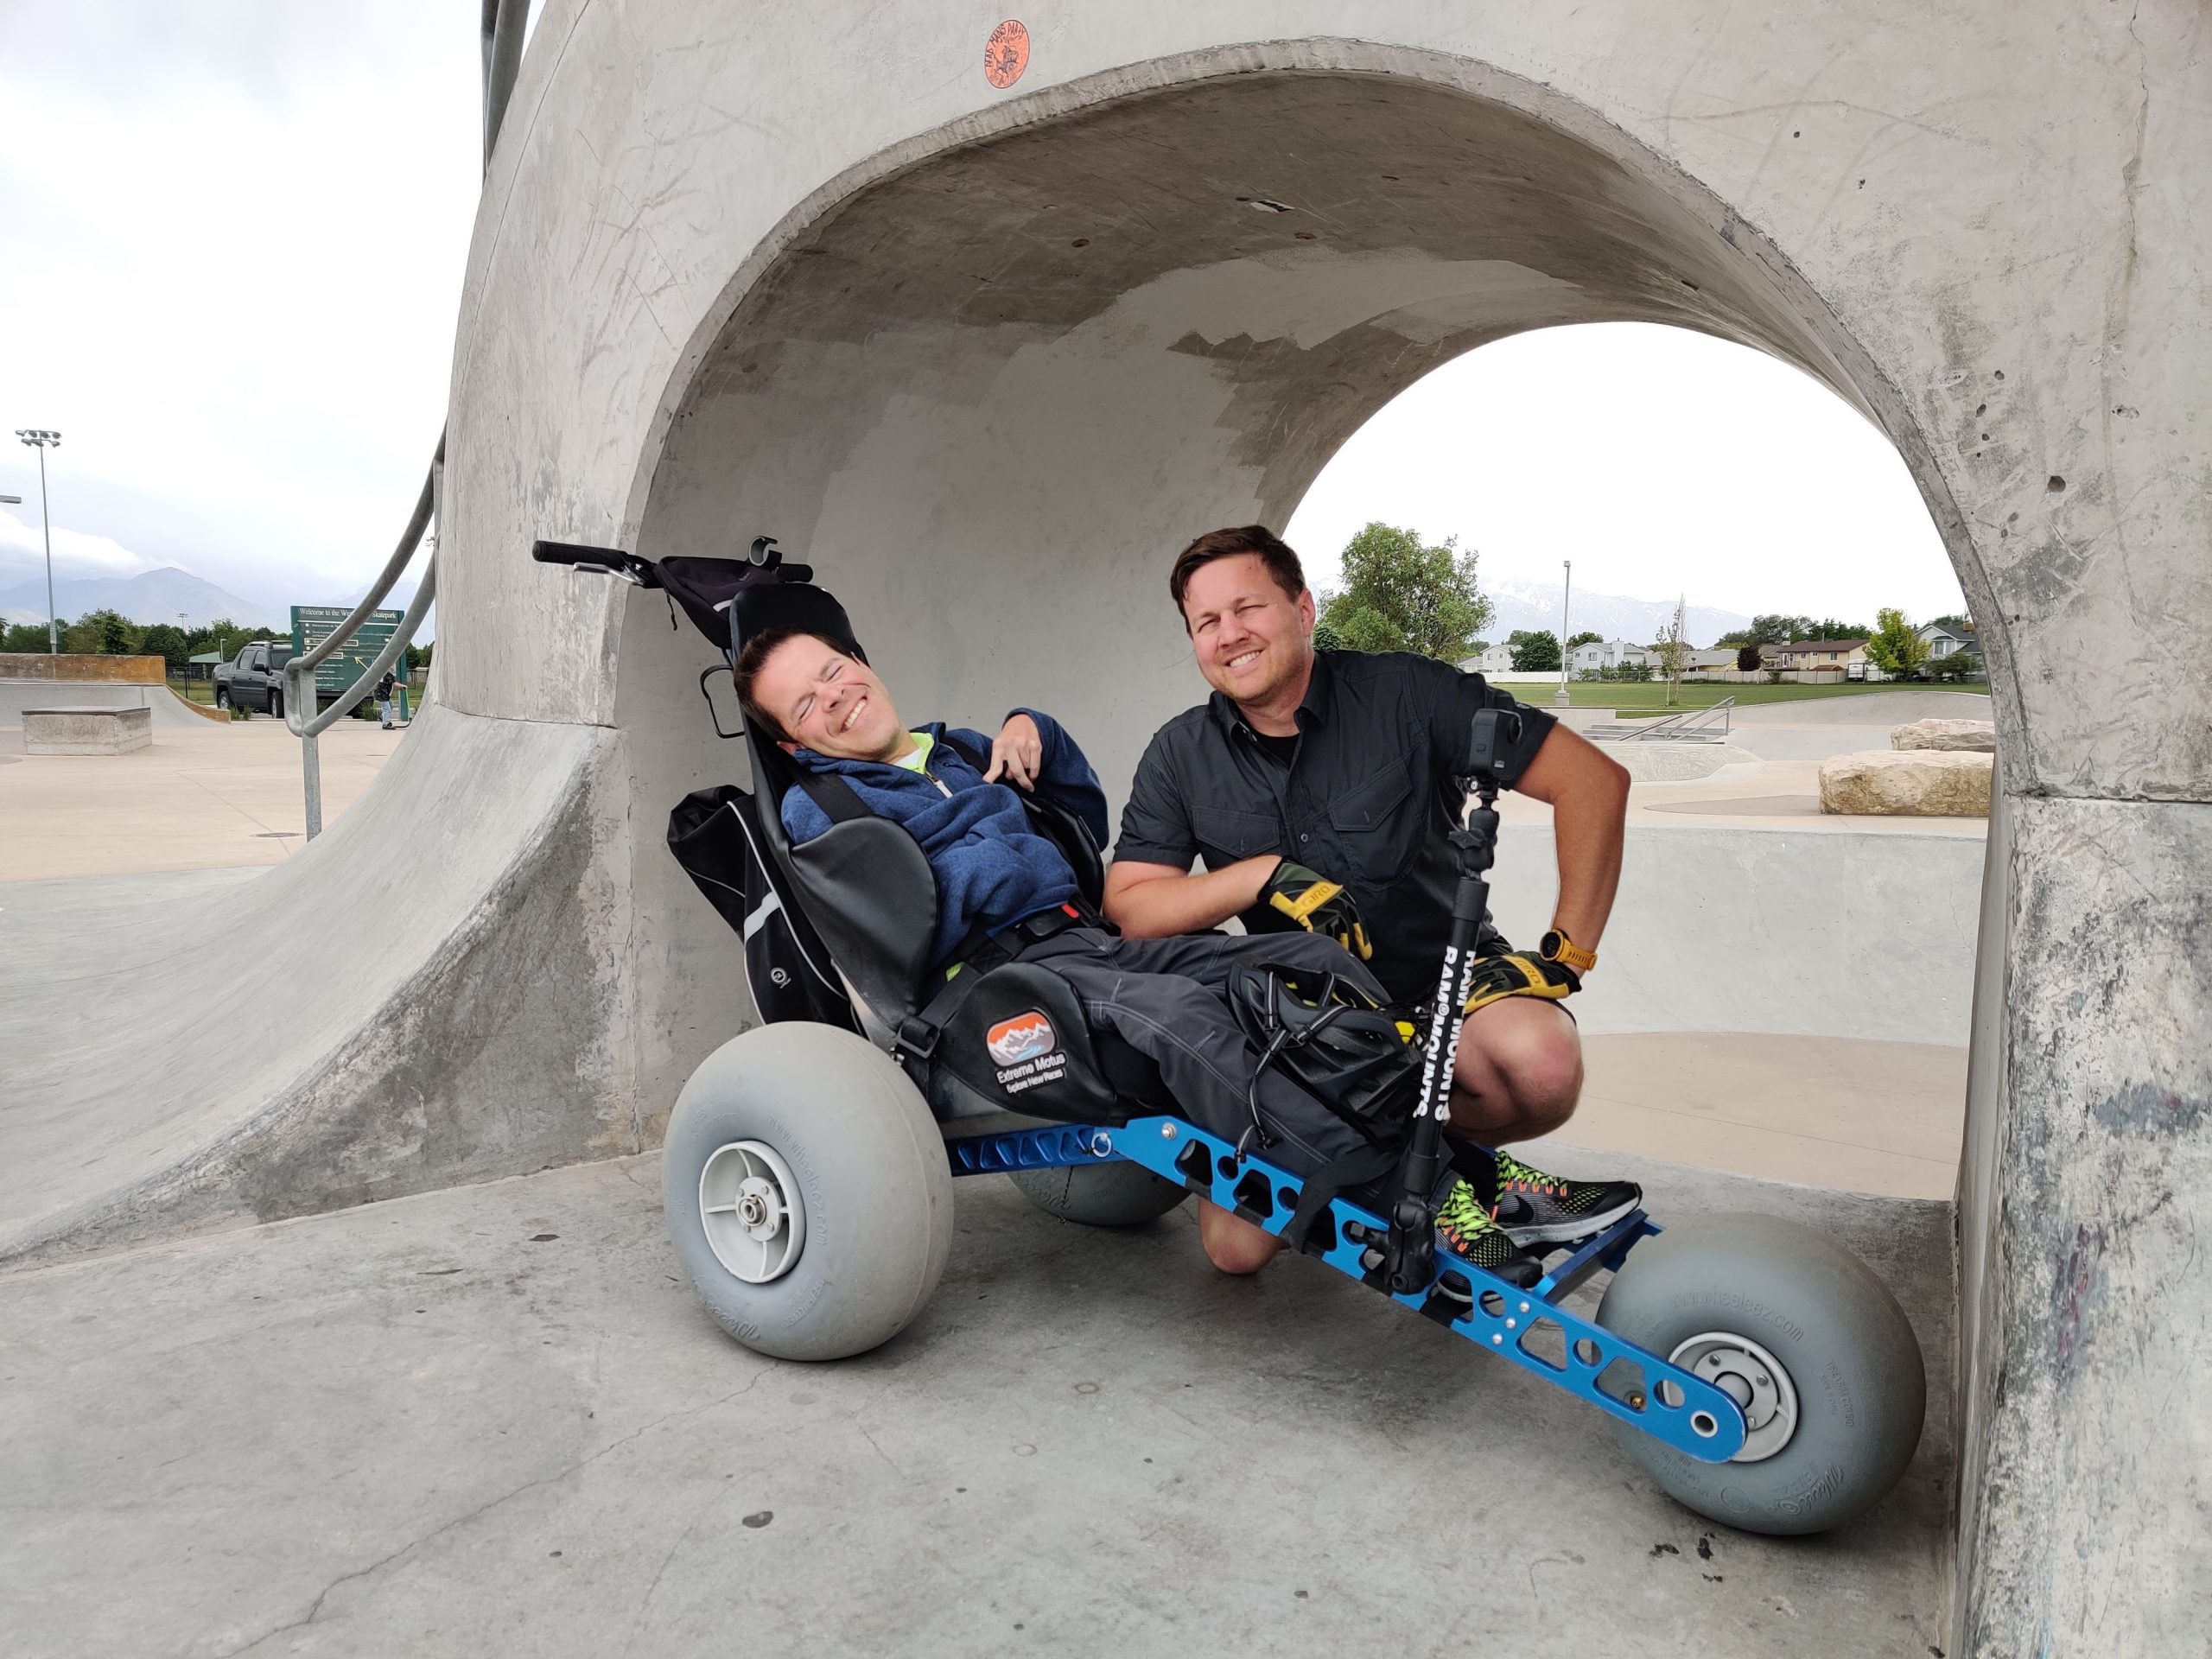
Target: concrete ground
491,1420
206,794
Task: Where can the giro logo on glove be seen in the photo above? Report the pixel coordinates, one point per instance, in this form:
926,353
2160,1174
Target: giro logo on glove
1319,905
1545,974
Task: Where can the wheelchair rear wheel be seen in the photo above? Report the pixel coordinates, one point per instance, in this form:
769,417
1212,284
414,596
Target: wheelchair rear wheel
1100,1195
807,1192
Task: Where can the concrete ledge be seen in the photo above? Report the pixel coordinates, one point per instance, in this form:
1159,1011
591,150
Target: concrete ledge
87,730
1915,783
1978,736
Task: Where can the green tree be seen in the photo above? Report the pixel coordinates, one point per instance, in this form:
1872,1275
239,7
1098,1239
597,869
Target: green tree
1400,595
27,637
1953,619
1747,659
1324,638
1585,638
1776,630
167,642
1894,647
1534,653
1828,628
103,632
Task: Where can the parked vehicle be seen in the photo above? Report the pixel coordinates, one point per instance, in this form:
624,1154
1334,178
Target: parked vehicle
254,677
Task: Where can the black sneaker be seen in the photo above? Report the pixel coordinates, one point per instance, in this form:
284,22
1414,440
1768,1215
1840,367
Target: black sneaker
1464,1229
1536,1208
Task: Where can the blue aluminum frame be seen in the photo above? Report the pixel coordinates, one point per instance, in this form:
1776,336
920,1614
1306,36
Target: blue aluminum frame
1703,1422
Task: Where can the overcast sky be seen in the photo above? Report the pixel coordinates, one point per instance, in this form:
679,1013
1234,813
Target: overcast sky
236,231
235,236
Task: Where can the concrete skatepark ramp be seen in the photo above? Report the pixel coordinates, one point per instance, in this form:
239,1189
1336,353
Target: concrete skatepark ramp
987,354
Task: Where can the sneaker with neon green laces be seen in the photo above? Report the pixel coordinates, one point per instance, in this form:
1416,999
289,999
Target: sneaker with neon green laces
1534,1207
1463,1227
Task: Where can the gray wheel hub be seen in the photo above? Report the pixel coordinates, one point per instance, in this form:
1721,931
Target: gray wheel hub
1754,1379
749,1210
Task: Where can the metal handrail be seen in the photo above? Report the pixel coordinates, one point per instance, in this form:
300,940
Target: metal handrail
1689,723
502,27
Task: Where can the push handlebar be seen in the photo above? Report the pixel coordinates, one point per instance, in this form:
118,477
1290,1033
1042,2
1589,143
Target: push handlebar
606,561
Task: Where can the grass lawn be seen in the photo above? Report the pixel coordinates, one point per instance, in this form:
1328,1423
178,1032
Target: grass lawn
1643,701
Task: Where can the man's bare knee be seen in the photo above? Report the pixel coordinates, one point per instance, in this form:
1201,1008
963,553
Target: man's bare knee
1232,1243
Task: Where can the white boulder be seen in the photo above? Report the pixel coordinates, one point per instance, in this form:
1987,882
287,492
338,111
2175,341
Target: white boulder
1916,783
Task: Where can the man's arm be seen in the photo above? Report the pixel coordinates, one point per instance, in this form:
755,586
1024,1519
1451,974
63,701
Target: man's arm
1152,901
1588,793
1033,751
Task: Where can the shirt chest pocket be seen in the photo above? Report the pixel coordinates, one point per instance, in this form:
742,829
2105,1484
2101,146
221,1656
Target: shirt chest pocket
1375,826
1225,835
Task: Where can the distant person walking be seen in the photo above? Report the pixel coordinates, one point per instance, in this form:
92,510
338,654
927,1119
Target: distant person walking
383,697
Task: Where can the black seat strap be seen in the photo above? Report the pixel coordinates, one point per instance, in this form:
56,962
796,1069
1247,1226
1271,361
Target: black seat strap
1349,1169
833,795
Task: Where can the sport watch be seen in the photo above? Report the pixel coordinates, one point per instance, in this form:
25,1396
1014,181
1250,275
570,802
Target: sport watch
1555,946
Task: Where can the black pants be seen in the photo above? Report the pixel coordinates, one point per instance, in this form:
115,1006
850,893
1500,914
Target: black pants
1165,998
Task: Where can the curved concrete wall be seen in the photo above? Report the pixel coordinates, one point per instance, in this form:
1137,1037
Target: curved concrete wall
988,356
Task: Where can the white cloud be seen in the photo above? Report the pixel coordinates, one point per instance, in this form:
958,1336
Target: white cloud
250,226
23,553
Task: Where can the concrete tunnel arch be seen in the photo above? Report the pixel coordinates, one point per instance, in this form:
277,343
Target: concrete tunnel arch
1038,359
711,293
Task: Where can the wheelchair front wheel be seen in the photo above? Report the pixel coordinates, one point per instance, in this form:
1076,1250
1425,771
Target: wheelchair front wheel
1805,1339
806,1192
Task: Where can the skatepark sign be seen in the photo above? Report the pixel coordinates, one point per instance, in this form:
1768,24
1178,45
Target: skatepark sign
312,624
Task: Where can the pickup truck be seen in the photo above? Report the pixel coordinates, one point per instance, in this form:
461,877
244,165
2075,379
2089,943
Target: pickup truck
254,677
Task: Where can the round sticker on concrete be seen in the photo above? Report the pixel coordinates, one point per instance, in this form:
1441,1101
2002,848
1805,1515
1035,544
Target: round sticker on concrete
1006,54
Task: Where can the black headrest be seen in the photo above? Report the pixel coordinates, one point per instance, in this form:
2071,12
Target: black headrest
765,605
760,597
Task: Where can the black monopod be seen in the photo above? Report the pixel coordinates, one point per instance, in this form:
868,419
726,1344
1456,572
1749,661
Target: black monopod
1409,1253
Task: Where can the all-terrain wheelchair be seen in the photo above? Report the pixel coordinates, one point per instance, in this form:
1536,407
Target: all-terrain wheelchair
1758,1373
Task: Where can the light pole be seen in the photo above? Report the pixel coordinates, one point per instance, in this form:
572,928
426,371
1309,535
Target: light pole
42,440
1566,589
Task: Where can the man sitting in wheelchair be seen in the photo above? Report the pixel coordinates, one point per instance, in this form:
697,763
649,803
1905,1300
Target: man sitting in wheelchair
1194,1005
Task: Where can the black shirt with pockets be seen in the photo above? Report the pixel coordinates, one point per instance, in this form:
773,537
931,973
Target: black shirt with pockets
1366,796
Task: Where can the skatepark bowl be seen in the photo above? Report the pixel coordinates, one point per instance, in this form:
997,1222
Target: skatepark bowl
986,355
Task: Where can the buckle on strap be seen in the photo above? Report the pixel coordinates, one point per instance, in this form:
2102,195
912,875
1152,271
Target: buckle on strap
919,1037
1043,924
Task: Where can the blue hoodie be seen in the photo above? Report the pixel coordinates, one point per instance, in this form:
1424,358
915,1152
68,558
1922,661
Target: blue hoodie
992,868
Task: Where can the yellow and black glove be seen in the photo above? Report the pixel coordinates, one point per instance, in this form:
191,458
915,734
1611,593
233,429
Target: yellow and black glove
1554,971
1319,905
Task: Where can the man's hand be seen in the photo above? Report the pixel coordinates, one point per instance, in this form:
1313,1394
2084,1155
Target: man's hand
1520,973
1319,905
1017,752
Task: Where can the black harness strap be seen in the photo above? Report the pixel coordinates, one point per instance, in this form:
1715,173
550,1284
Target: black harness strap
1346,1170
833,795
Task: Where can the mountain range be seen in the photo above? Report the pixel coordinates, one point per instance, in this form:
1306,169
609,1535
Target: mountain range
149,597
1534,606
158,595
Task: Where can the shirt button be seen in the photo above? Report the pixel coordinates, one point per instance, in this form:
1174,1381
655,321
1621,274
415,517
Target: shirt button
1302,840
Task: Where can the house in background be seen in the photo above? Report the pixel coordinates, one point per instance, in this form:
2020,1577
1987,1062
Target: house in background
1846,658
1491,663
1720,659
1606,653
1943,640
